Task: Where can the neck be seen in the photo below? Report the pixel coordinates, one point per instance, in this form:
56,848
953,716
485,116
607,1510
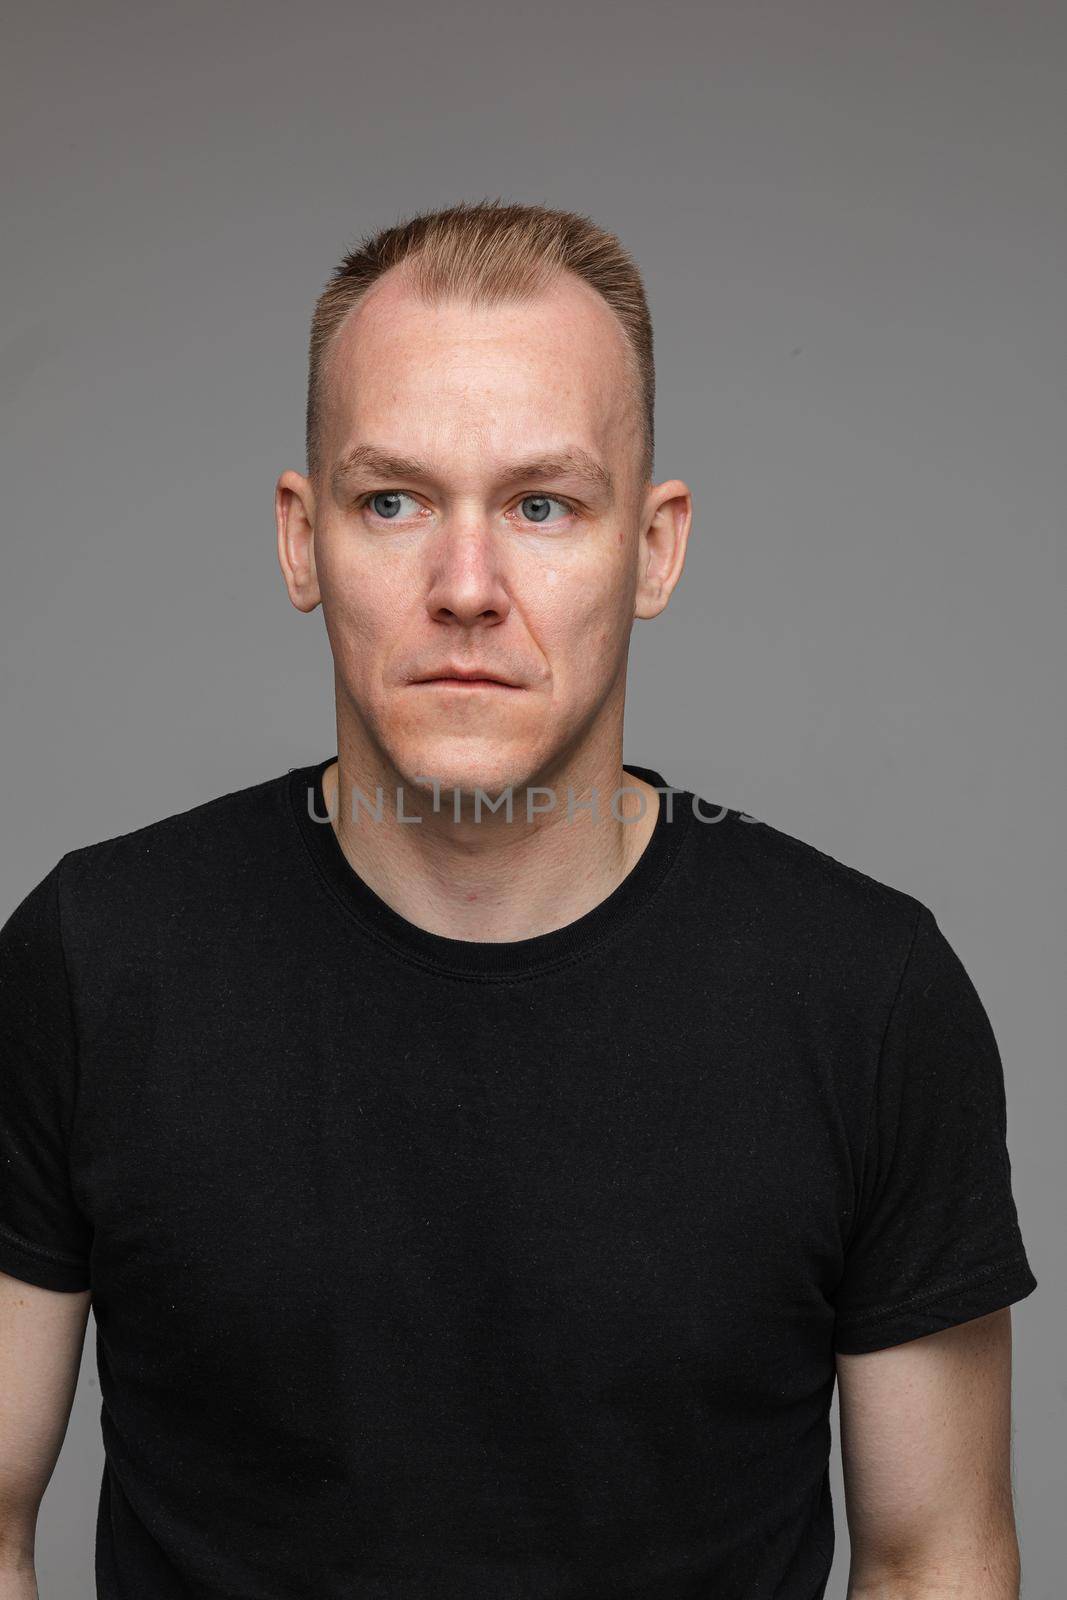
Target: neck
492,879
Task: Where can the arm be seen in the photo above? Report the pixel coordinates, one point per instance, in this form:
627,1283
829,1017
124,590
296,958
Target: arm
926,1455
42,1332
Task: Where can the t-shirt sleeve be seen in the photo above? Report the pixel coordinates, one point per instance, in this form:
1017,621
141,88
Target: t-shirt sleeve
44,1238
935,1239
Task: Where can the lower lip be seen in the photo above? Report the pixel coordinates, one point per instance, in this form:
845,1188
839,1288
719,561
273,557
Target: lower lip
466,683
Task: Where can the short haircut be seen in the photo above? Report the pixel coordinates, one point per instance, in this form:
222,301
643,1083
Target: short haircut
487,252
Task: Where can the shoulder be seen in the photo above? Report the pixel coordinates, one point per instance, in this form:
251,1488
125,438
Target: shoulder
172,868
812,908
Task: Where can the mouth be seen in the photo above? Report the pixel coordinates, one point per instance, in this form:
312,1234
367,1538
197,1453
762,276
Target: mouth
461,676
464,683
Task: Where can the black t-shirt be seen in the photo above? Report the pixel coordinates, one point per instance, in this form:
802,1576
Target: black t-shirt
425,1267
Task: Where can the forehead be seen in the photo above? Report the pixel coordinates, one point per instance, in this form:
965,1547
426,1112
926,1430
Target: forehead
556,364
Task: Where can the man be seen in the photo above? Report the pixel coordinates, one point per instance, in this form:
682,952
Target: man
482,1157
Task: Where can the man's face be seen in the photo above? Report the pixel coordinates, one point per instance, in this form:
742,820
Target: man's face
435,542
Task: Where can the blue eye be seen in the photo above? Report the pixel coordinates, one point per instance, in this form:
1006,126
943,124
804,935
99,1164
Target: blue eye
387,495
386,504
542,500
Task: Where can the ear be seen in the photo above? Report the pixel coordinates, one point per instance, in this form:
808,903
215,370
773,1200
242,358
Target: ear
294,514
664,533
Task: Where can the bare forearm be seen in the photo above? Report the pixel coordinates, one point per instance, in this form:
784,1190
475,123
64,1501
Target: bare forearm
963,1589
18,1541
18,1583
994,1576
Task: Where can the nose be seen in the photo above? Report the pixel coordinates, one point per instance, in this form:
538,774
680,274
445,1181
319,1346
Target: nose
466,581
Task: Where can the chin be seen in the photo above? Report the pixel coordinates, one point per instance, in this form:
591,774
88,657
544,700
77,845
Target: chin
467,764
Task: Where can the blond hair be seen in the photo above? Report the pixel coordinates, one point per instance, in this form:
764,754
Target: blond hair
487,252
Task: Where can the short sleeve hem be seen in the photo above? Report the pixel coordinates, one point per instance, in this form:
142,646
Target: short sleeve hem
45,1268
977,1294
45,1237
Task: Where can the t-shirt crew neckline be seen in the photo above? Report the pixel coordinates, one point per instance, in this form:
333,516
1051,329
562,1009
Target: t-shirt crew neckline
482,959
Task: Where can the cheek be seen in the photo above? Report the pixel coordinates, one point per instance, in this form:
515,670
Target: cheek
583,621
361,602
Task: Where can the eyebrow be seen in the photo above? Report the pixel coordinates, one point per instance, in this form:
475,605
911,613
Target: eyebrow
364,461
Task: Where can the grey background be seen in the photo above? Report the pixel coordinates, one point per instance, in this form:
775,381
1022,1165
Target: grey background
850,217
